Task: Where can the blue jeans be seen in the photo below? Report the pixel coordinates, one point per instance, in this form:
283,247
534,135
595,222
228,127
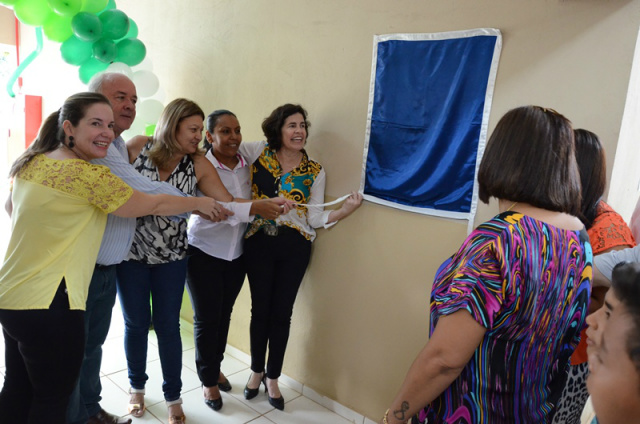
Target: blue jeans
85,399
164,284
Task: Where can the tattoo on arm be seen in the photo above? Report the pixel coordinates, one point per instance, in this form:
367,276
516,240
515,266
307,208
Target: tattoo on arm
401,413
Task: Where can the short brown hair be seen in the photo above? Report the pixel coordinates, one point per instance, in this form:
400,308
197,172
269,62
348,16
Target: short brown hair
272,125
530,158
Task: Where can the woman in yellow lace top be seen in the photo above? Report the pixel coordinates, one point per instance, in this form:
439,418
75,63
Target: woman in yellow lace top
59,208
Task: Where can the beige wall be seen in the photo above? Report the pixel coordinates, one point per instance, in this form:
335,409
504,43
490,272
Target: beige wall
7,26
362,312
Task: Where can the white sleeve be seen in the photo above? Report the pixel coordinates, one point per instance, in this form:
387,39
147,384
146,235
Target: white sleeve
317,216
240,211
251,150
607,261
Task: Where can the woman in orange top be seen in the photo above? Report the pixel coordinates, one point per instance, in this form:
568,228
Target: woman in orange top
607,231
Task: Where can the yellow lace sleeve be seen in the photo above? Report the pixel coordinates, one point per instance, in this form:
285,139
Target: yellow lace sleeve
80,178
108,192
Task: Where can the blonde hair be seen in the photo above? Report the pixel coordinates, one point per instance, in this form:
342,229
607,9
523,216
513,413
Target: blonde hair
165,143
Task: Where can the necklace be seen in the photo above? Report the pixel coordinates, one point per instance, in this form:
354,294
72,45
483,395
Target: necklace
512,205
286,163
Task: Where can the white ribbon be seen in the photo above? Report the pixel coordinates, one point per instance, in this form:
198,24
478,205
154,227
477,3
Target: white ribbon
335,202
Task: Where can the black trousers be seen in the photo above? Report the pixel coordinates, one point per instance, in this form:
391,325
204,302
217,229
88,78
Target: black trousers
275,267
43,353
213,286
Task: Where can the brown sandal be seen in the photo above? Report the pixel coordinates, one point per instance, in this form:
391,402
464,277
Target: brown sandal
136,404
177,419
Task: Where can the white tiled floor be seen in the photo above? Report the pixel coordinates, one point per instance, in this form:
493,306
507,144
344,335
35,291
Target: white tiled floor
236,409
299,409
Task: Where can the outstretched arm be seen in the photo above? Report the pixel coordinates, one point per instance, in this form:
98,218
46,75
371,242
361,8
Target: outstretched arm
119,166
454,340
349,206
141,204
209,182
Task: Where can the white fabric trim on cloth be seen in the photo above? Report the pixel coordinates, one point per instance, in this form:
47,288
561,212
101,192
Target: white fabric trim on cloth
469,216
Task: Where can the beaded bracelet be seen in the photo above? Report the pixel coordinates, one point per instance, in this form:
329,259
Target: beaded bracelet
386,416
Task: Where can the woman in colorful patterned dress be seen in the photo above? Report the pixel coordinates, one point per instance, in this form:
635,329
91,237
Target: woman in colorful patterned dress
59,208
507,308
156,266
607,231
277,251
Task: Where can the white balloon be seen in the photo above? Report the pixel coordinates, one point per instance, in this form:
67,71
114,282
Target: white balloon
120,68
160,95
148,111
137,128
145,65
146,83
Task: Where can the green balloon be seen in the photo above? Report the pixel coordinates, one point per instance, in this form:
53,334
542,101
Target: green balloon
8,2
58,28
104,50
131,51
89,68
65,7
86,26
111,4
149,130
32,12
75,51
94,6
133,29
115,24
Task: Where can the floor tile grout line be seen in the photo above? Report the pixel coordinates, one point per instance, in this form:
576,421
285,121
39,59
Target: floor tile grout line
354,415
300,389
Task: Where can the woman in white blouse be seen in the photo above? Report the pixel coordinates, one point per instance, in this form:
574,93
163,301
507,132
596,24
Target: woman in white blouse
215,266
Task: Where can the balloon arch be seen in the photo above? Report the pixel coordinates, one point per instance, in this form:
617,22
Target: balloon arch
96,37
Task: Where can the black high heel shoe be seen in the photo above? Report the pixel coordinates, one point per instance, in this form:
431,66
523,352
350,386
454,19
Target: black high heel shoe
278,402
251,393
215,404
225,386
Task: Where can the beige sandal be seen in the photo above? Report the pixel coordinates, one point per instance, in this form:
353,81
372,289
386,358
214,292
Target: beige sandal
136,404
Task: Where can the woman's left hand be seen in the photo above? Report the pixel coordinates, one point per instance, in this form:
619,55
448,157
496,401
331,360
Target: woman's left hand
352,203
